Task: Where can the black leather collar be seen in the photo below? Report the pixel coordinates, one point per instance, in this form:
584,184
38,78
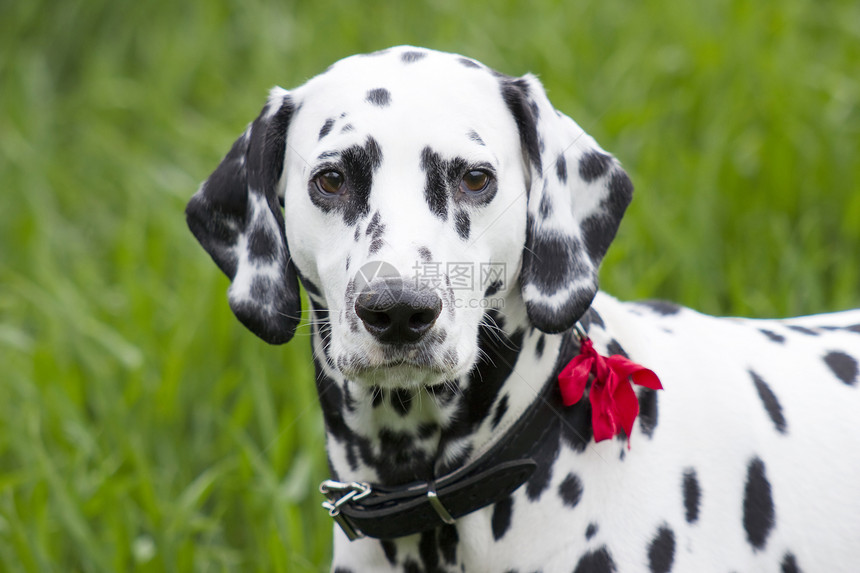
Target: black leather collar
364,509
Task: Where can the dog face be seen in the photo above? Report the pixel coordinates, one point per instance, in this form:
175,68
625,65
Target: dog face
420,189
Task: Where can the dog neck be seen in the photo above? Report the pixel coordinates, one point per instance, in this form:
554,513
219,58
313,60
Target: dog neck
396,436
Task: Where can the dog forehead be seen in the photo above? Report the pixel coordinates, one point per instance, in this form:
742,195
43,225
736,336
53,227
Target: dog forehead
405,88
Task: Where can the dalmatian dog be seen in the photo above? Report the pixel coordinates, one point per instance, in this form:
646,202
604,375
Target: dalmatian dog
447,224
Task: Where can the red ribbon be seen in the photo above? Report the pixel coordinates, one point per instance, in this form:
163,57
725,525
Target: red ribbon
614,405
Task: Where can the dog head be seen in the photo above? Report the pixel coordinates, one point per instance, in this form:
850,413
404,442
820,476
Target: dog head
420,190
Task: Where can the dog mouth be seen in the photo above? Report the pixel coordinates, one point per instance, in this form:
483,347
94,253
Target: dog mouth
399,366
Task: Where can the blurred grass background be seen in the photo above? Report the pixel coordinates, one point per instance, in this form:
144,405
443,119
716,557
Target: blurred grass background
143,429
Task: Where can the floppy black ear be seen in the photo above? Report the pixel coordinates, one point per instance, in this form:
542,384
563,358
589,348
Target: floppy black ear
237,218
577,196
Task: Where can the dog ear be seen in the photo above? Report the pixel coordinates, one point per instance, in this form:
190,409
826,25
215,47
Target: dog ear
577,196
237,218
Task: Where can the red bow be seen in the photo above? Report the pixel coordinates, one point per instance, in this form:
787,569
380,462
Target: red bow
613,402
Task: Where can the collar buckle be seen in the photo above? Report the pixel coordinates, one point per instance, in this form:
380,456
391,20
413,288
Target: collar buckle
340,494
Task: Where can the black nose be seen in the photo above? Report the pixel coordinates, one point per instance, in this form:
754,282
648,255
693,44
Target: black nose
397,315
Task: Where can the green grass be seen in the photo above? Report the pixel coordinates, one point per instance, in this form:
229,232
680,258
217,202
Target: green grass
143,429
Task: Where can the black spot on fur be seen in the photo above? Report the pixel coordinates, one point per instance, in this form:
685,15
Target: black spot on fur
473,135
620,193
774,337
614,348
275,146
348,399
758,518
468,63
380,97
412,56
425,254
570,490
550,260
593,164
376,396
592,317
323,329
692,496
501,519
373,153
803,330
561,168
771,404
261,288
515,93
576,429
411,566
497,361
374,230
445,392
590,531
437,186
599,561
390,550
539,346
356,235
493,288
263,245
373,225
426,430
545,206
326,128
331,399
501,410
647,411
351,456
401,400
428,551
342,570
347,128
600,229
463,224
661,552
662,307
309,286
398,458
545,454
789,564
358,163
843,366
448,540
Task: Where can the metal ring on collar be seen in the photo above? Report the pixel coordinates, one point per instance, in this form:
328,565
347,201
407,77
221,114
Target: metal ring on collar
436,504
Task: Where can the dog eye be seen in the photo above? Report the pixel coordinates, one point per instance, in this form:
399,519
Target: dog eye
475,181
330,182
